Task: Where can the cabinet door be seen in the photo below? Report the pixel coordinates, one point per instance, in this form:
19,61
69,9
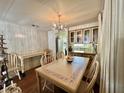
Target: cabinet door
72,37
87,36
79,36
95,35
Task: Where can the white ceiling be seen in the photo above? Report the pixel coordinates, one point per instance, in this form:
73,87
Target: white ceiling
44,12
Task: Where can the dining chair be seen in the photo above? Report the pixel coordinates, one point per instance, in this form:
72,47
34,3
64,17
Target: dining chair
47,52
13,65
46,59
89,65
12,88
60,55
87,86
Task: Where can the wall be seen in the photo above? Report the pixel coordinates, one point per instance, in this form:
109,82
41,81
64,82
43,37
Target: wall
22,39
52,41
62,41
84,26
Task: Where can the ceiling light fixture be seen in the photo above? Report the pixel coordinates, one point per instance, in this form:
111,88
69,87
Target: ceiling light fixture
58,26
33,25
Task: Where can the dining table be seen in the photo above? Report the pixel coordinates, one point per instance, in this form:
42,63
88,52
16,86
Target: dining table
63,74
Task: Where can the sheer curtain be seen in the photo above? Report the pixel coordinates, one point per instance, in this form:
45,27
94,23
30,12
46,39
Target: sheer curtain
112,47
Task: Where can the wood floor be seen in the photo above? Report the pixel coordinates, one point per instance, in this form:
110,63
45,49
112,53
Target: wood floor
28,84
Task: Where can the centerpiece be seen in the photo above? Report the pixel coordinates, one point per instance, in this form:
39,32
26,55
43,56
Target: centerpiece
69,59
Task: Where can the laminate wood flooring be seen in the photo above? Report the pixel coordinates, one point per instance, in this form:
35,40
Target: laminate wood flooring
28,84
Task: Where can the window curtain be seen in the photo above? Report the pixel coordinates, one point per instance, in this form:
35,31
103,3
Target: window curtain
112,47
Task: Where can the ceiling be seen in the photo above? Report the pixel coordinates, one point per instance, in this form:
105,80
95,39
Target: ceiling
44,12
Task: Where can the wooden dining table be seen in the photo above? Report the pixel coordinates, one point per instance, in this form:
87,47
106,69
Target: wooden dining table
64,75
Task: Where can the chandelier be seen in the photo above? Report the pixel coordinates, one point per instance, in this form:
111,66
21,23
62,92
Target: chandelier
58,26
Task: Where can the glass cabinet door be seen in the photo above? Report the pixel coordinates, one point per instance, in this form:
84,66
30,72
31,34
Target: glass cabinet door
95,35
79,36
72,37
86,35
86,38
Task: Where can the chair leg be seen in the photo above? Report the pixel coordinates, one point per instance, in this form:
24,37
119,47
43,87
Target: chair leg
18,75
53,87
44,85
52,90
92,91
4,88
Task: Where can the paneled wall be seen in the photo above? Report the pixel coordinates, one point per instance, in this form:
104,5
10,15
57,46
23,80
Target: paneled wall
52,41
22,39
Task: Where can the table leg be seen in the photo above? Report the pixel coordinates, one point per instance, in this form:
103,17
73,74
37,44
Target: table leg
22,65
38,82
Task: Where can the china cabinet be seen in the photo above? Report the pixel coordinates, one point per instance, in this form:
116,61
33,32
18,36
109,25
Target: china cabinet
80,36
75,36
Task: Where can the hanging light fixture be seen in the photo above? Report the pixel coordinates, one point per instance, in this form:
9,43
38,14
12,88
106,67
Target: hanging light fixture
58,26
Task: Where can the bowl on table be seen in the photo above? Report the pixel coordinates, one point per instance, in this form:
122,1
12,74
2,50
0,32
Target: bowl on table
69,59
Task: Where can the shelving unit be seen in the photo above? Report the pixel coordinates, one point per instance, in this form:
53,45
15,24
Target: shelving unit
2,48
3,60
83,37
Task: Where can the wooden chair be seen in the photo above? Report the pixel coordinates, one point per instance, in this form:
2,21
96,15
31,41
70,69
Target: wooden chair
46,59
89,65
12,88
13,64
47,52
86,86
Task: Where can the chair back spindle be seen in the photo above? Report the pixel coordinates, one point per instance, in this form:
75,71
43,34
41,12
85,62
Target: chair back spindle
94,70
13,64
